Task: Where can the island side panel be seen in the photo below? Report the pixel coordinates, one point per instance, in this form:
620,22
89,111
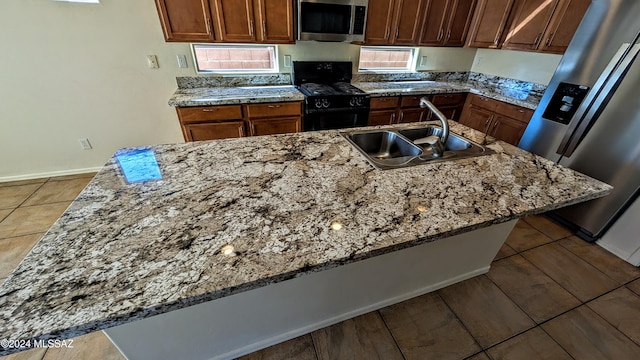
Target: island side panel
240,324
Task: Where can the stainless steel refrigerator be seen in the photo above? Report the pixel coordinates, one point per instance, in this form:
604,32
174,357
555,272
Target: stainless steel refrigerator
589,116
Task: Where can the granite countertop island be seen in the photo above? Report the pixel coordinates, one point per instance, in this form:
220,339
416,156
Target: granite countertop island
125,251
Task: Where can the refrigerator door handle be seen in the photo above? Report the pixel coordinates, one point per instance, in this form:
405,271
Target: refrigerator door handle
600,102
591,97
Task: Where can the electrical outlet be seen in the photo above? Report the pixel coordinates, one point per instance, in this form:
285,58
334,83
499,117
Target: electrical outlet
182,61
86,145
423,61
152,61
479,60
287,61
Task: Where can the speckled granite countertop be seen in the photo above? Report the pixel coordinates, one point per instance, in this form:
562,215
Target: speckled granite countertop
126,251
258,94
395,88
234,95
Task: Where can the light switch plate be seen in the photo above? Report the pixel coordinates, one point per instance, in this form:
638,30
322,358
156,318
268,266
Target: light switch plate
287,61
152,61
423,61
182,61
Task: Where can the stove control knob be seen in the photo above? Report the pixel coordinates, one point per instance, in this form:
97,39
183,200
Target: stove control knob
318,103
325,103
355,101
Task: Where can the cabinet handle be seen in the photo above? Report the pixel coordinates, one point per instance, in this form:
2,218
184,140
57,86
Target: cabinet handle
253,129
241,128
401,117
487,127
264,29
208,25
495,128
251,28
440,33
549,39
386,34
497,38
397,33
448,35
520,111
274,106
393,118
537,41
484,99
210,109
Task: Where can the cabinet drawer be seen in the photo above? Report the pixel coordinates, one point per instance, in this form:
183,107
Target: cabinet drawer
484,102
448,99
206,113
412,101
514,112
274,109
384,102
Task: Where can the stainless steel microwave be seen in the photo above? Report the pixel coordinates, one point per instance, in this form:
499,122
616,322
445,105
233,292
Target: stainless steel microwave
332,20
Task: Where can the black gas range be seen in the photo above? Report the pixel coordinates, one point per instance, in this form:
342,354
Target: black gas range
331,102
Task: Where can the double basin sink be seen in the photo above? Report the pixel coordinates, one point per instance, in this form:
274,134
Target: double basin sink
394,147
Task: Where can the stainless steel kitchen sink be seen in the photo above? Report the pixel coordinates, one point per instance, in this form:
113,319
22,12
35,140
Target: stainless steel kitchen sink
394,148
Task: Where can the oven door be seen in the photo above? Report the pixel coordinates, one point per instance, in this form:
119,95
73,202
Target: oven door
327,120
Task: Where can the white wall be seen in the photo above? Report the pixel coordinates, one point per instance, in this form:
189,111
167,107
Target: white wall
521,65
71,71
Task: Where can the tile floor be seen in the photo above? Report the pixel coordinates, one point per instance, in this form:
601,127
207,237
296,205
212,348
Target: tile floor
548,295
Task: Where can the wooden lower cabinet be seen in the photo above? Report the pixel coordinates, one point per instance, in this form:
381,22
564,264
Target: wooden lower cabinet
500,120
232,121
214,131
274,126
406,108
382,117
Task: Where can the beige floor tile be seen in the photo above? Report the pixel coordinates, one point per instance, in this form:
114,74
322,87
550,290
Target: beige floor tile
621,308
634,286
4,213
33,354
534,344
31,219
76,176
611,265
548,227
424,327
23,182
536,293
525,237
13,250
488,314
93,346
57,191
585,335
504,252
12,196
363,337
300,348
572,273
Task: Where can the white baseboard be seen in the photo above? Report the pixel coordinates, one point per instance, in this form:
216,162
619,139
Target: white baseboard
49,174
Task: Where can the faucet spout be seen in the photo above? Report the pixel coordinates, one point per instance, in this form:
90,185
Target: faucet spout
424,103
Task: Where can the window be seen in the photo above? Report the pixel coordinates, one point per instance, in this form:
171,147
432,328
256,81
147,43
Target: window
387,59
235,58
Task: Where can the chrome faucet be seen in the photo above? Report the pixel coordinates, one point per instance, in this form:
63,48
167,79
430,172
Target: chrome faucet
436,142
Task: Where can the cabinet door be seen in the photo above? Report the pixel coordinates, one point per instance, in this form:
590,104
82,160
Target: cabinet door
412,115
507,129
384,117
489,22
460,13
185,20
275,24
274,126
563,25
235,20
476,118
379,22
529,24
407,22
435,21
213,131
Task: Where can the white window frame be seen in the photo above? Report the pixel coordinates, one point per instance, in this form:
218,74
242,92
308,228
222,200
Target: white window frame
235,72
412,62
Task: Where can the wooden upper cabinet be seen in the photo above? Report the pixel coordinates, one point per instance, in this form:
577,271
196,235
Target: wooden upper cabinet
435,21
489,22
529,24
460,14
379,21
446,22
394,22
563,25
276,21
234,20
407,22
185,20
